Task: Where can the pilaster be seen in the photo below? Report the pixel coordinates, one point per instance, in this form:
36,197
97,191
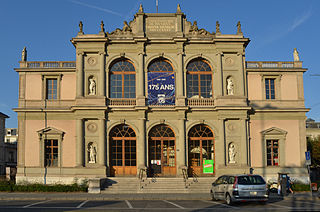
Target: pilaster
101,143
140,81
181,147
79,143
79,76
101,83
141,145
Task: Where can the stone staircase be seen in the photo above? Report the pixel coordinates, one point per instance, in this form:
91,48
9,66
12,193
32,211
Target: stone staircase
132,185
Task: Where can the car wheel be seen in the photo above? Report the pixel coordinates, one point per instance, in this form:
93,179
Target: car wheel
228,199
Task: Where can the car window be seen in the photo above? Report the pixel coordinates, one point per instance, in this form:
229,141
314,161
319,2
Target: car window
231,180
251,180
219,180
225,179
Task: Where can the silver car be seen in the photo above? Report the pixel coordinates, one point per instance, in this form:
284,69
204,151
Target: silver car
239,188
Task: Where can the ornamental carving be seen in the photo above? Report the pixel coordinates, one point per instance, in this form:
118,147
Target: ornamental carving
92,127
194,30
229,61
126,29
92,61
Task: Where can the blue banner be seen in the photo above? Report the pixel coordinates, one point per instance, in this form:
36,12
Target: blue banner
161,88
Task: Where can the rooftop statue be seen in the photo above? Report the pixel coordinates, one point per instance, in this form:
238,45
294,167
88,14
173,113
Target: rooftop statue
239,28
24,54
295,55
140,9
218,28
178,9
101,27
126,27
195,30
80,27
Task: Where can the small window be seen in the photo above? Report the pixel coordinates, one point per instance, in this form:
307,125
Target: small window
51,89
251,180
272,152
51,153
270,91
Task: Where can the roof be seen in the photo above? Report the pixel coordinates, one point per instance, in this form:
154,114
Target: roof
2,115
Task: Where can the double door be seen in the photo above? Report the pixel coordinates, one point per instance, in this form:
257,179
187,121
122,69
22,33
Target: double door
162,156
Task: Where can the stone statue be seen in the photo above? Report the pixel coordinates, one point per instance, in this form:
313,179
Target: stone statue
232,153
140,9
126,27
92,153
80,27
178,9
24,54
239,28
101,27
295,55
194,27
230,86
92,86
218,27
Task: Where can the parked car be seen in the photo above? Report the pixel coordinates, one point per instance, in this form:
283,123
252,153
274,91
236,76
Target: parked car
239,188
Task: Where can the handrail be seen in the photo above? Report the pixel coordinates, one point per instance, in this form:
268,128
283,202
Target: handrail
194,176
185,175
142,170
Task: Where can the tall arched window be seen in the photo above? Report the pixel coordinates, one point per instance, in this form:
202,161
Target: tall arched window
161,83
200,148
123,156
122,79
199,79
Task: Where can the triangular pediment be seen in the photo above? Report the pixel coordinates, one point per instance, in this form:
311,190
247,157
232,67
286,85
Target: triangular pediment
274,131
50,130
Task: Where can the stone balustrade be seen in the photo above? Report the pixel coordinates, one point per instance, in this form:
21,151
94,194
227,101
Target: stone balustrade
48,64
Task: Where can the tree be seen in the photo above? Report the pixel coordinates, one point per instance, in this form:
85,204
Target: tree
313,145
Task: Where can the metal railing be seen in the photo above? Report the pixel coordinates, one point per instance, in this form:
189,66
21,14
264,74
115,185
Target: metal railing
51,64
270,64
142,176
200,102
122,102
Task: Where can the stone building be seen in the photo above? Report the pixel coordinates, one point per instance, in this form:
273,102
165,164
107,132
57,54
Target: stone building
163,94
3,118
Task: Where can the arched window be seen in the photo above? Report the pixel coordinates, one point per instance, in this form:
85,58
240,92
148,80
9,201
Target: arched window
199,79
122,79
162,151
161,83
200,148
123,150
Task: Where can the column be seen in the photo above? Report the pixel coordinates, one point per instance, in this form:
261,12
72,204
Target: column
79,65
101,84
140,81
244,143
180,77
181,147
243,82
79,143
220,147
141,144
21,143
219,77
101,143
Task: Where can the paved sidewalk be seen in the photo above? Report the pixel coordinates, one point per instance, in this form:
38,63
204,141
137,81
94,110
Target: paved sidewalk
139,196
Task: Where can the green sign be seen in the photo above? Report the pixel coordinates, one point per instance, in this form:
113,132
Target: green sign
208,166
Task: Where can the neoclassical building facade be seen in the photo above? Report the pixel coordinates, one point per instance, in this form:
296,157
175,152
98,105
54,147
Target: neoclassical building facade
160,94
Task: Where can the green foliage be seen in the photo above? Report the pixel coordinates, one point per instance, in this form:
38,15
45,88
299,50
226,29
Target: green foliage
8,186
313,145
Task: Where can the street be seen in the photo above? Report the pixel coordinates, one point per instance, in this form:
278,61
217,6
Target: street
156,205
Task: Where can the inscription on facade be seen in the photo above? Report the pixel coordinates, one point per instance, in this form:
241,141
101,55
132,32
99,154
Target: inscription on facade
161,25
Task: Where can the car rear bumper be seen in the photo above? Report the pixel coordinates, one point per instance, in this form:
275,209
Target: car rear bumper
250,198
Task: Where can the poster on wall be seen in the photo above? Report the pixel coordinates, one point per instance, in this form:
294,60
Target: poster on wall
161,89
208,166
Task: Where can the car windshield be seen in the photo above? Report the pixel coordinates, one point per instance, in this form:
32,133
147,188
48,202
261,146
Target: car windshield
251,180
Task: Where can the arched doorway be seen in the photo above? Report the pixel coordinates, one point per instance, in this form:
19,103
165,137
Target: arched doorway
162,151
200,149
123,157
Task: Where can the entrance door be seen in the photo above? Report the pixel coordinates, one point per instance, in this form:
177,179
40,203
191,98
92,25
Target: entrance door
200,148
162,151
122,151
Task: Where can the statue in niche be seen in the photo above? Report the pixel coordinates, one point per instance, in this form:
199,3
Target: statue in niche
295,55
92,153
230,86
24,54
92,86
232,153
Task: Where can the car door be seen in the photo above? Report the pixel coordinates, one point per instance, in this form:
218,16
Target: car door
216,188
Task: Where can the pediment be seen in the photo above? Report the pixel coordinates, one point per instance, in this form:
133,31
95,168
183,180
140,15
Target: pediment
274,131
50,130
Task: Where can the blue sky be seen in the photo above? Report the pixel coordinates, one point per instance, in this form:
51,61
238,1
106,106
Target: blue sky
46,27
